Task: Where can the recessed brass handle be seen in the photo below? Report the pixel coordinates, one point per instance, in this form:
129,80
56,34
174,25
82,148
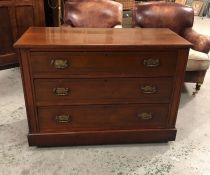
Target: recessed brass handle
60,63
152,62
145,116
149,89
63,119
61,91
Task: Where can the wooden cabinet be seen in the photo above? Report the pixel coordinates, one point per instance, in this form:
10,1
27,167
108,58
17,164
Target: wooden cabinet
15,18
100,86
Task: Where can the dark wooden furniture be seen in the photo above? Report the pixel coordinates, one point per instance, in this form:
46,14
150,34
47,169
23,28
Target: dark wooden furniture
15,18
101,86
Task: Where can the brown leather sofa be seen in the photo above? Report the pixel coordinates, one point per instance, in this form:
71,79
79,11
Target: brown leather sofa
93,13
178,18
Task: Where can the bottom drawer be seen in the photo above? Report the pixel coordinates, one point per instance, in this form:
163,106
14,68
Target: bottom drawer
102,117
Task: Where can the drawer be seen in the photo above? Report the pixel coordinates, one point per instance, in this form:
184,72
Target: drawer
102,117
100,63
97,91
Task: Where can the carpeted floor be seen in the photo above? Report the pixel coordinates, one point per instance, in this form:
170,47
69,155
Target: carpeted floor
188,155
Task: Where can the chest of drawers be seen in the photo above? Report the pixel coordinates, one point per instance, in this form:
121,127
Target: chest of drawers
101,86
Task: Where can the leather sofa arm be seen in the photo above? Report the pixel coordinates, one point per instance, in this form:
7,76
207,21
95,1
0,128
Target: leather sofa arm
200,42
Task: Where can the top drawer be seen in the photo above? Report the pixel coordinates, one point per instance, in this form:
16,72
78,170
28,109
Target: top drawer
141,64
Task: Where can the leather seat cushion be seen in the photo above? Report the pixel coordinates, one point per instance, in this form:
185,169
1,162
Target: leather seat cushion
197,61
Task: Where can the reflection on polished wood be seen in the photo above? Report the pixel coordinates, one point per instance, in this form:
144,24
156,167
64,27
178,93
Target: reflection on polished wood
75,38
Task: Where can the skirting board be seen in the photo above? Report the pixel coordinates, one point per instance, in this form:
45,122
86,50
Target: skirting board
101,137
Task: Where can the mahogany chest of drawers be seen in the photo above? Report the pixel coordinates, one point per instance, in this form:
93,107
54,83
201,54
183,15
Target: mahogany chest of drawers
101,86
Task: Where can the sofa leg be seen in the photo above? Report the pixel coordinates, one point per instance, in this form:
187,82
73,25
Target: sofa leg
197,88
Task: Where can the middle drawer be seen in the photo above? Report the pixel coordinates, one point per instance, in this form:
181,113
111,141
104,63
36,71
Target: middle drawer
102,91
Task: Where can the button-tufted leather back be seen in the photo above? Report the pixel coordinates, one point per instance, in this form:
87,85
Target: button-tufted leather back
92,13
177,17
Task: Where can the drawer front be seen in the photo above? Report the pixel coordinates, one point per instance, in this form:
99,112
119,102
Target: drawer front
97,91
102,117
96,63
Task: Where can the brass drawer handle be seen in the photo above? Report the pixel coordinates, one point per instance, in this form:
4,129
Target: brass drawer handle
149,89
60,63
61,91
152,62
63,119
145,116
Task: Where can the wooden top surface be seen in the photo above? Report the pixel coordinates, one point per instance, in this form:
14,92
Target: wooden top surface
98,38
